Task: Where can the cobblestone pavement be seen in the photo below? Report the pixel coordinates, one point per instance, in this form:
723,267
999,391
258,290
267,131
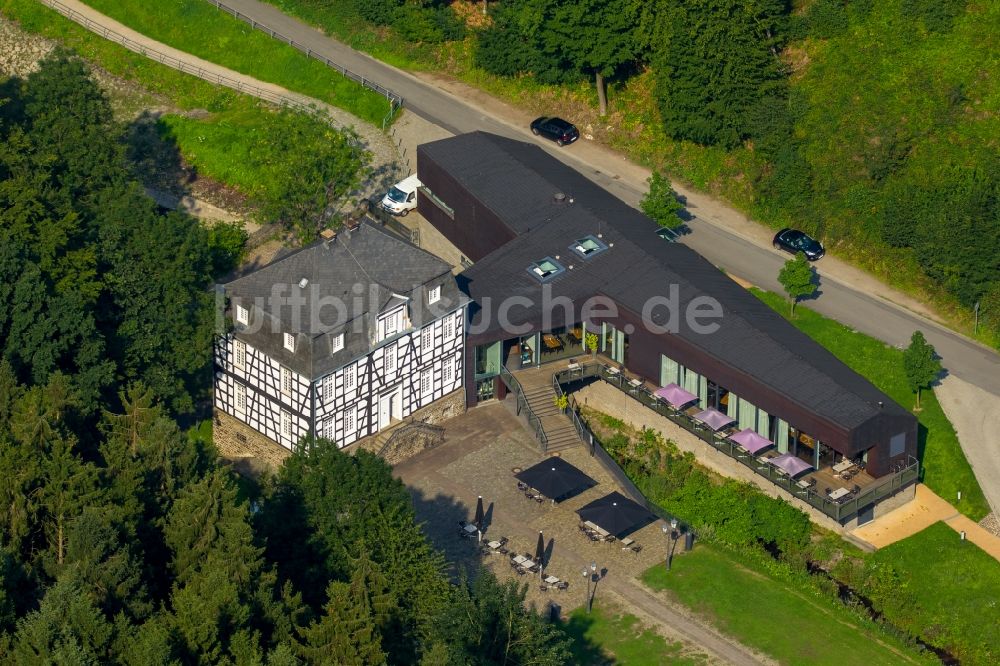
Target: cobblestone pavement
481,450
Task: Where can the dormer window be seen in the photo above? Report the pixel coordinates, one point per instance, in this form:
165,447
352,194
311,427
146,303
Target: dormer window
434,294
336,343
588,246
242,315
390,324
290,342
546,269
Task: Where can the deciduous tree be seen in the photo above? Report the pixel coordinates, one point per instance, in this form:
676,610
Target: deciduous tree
921,364
797,278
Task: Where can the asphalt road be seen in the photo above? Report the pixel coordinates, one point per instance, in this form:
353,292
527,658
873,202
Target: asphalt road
709,234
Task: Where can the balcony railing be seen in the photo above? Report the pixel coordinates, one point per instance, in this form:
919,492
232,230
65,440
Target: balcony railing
840,510
523,407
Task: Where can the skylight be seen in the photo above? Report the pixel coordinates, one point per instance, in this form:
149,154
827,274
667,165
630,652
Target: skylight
588,246
545,269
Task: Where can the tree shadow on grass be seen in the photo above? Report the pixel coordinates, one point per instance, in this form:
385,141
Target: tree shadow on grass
154,157
584,650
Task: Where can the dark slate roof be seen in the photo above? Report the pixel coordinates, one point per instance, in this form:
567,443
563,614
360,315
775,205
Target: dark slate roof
349,282
638,265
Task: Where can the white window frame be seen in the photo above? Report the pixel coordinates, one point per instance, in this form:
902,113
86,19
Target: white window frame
389,360
434,294
285,424
349,377
290,342
449,329
286,381
447,372
350,421
337,343
426,383
242,315
329,388
426,339
239,354
240,398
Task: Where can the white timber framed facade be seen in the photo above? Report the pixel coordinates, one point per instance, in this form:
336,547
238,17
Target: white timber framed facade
340,340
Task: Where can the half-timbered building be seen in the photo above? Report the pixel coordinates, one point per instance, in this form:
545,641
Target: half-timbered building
340,340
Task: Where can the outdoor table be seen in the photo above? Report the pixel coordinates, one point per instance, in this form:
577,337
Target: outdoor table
551,580
597,529
627,541
802,483
573,366
614,371
839,492
494,544
470,528
843,466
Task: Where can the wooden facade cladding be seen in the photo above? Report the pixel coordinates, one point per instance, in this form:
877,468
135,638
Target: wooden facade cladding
474,229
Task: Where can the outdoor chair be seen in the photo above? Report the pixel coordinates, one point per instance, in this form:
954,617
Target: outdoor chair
856,489
520,571
828,491
503,540
462,523
637,549
543,587
610,538
562,585
503,551
522,486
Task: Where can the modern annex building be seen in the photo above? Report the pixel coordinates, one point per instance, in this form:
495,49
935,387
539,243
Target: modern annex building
536,229
340,339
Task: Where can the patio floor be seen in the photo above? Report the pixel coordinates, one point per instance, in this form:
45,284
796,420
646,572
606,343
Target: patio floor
481,450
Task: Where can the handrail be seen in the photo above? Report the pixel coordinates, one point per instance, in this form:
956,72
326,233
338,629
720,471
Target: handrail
409,427
395,100
839,511
176,63
522,405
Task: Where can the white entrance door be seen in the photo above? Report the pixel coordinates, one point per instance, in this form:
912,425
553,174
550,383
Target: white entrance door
390,408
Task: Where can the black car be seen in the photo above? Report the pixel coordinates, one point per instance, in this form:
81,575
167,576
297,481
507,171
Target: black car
557,129
795,241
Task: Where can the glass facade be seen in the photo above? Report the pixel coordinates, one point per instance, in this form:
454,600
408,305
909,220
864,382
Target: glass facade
488,360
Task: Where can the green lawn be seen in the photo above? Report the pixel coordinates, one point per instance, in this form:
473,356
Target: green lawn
768,614
944,467
233,143
952,592
609,636
196,27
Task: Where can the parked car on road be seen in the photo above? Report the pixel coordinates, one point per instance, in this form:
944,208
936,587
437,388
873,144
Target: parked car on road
795,241
559,130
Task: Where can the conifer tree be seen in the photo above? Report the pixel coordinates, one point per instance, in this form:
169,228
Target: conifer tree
67,628
346,634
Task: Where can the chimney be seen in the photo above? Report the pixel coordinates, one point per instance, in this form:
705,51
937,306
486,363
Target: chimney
329,236
558,198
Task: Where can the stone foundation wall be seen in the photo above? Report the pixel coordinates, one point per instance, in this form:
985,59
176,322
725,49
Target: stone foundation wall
247,449
251,452
609,400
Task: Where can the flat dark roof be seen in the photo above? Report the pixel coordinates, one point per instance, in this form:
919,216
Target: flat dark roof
518,181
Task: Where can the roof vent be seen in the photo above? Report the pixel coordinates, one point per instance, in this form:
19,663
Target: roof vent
303,283
559,198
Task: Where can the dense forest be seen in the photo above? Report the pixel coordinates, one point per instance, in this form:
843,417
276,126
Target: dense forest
871,123
122,539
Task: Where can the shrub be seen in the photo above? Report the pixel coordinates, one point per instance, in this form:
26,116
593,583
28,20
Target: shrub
827,18
226,241
379,12
936,15
431,25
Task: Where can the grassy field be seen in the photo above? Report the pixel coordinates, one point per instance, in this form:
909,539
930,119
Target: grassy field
230,143
954,592
944,467
196,27
609,636
792,626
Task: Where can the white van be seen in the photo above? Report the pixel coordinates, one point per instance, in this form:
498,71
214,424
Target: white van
402,198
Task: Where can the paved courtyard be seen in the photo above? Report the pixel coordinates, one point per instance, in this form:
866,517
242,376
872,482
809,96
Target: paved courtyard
481,450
